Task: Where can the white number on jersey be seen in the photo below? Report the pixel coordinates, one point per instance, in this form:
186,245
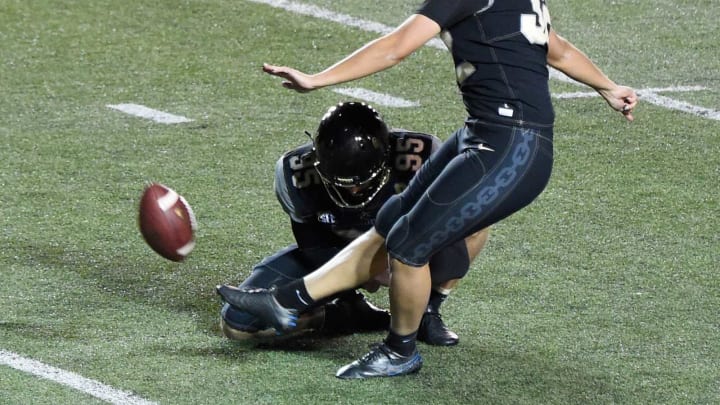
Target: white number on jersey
409,145
304,174
535,26
410,159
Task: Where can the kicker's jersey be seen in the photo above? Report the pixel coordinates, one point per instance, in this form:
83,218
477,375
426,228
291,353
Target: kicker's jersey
304,198
500,53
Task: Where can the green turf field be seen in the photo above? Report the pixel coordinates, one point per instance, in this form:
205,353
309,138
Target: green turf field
605,290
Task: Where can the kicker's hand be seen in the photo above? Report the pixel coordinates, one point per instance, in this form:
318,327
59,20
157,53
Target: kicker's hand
622,99
294,79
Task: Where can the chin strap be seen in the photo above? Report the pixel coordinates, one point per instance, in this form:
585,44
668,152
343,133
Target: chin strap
337,198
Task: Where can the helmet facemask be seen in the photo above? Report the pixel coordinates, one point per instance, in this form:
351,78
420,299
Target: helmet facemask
353,192
351,154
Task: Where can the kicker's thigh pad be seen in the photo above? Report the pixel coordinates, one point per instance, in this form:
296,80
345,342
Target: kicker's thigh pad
399,205
481,185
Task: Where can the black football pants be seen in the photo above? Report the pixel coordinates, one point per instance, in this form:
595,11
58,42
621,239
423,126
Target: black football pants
482,174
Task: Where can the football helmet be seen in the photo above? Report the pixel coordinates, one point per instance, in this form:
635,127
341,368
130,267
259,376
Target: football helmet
351,148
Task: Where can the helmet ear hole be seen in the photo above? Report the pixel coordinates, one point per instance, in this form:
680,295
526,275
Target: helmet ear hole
351,152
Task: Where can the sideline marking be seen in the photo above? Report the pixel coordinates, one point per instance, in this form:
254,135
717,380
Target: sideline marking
145,112
371,26
76,381
650,95
667,102
375,98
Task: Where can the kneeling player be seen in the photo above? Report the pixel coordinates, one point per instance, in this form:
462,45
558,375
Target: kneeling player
332,188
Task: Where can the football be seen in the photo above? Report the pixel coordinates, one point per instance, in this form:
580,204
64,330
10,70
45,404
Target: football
167,222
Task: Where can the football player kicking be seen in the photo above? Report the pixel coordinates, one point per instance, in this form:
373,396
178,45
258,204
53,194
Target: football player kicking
332,188
497,162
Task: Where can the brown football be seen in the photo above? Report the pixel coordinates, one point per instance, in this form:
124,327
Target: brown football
167,222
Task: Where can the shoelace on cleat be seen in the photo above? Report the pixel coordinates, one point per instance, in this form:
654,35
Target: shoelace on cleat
376,351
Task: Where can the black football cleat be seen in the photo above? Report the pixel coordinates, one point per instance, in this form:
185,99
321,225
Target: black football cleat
434,332
381,361
260,302
351,312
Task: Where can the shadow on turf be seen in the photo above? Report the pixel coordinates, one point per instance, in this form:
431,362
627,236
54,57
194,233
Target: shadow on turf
179,287
507,374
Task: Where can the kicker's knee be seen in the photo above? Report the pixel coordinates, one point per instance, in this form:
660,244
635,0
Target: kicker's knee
402,245
388,215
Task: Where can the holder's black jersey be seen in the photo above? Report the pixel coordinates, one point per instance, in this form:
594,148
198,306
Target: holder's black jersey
500,52
305,199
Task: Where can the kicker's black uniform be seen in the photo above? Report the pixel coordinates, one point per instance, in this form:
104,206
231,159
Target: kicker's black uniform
322,228
501,159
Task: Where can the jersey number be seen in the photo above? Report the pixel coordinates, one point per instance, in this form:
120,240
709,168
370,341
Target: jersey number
410,160
535,26
304,175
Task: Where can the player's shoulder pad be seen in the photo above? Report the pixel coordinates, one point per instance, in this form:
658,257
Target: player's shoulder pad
408,151
294,172
403,140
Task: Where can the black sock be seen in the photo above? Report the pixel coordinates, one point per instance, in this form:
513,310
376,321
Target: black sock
403,345
436,299
294,295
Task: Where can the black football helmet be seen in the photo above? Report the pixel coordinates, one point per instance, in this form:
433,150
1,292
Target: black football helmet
351,153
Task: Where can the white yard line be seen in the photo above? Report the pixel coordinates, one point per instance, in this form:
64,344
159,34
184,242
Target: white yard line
149,113
651,96
667,102
592,93
70,379
371,26
375,98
